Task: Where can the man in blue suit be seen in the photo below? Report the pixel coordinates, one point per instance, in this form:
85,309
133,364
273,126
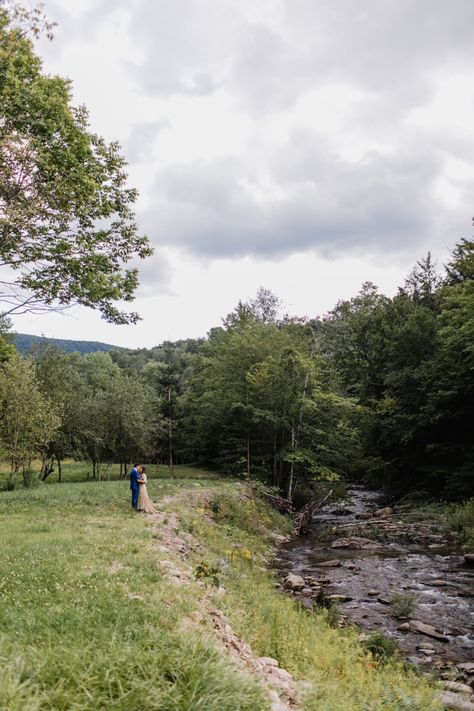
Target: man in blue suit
135,479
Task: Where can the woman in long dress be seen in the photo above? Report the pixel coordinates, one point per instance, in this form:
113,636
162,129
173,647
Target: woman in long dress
144,504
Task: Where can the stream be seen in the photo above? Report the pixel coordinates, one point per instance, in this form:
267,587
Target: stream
371,560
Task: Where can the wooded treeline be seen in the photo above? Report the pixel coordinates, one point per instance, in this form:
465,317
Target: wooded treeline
379,388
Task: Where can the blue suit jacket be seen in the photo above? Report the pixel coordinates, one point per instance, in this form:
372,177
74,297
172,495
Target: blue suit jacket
134,477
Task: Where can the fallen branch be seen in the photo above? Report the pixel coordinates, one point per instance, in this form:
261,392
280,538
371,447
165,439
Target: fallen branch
305,515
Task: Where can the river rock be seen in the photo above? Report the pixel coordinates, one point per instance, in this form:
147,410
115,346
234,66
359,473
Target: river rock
405,627
384,600
386,511
373,593
428,630
438,583
340,598
458,687
342,511
454,701
293,582
469,558
307,592
355,542
467,667
330,564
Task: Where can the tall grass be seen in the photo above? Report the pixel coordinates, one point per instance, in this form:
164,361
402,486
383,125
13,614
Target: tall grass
342,673
461,520
87,620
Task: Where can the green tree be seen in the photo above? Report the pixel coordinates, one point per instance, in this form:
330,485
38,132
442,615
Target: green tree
67,226
27,421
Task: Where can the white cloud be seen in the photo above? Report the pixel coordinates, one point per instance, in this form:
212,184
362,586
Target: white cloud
266,136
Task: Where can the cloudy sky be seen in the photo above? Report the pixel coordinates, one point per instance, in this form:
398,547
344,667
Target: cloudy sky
302,145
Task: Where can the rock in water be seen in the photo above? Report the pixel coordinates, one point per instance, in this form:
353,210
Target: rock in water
428,630
386,511
330,563
293,582
355,542
340,598
469,558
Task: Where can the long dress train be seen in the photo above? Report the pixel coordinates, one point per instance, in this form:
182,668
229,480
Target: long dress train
145,504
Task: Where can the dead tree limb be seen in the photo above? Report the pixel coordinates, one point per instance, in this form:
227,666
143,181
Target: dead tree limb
304,516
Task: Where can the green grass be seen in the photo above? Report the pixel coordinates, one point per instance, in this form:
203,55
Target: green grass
461,520
86,619
74,471
343,675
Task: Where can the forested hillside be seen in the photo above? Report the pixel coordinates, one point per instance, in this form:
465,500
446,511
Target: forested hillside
25,342
378,388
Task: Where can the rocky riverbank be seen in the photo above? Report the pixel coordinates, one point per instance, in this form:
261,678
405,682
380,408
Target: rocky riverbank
409,580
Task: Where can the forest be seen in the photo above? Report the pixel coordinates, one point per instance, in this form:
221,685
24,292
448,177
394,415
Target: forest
378,389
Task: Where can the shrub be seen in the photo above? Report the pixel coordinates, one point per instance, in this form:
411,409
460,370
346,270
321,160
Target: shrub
207,572
380,646
461,521
403,604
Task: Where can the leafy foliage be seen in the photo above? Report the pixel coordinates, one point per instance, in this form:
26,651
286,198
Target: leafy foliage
67,227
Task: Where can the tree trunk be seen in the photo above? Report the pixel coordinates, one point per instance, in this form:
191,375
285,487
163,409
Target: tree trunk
292,464
248,454
60,470
170,435
275,461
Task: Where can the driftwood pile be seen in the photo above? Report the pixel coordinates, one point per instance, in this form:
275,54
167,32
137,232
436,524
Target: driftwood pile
302,518
305,515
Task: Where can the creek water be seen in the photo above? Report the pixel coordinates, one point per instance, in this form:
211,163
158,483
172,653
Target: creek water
423,564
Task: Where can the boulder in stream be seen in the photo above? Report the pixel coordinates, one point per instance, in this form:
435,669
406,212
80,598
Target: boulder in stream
469,558
356,543
386,511
330,564
293,582
428,630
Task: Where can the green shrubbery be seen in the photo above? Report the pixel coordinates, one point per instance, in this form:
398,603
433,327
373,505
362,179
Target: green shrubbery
461,520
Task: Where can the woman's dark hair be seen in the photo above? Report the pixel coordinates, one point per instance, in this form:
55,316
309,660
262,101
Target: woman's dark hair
143,469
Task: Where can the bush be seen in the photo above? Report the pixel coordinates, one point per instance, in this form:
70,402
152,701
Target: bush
461,520
403,604
208,572
380,646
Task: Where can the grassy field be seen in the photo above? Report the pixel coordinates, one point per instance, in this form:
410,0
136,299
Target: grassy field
88,621
73,471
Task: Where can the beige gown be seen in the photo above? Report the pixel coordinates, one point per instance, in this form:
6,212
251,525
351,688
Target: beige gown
144,502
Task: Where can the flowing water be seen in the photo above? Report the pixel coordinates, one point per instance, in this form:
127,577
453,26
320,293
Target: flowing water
434,573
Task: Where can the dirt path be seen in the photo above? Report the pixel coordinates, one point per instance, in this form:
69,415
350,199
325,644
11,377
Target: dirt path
177,547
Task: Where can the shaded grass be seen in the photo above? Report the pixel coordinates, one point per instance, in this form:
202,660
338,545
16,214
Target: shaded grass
86,619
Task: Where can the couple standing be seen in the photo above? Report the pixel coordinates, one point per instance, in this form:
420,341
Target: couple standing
140,499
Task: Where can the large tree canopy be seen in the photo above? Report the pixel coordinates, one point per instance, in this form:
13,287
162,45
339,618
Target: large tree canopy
67,226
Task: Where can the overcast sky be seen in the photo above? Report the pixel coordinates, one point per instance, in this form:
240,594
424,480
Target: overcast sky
302,145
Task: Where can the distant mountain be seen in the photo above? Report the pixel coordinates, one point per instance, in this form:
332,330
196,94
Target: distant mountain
25,342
